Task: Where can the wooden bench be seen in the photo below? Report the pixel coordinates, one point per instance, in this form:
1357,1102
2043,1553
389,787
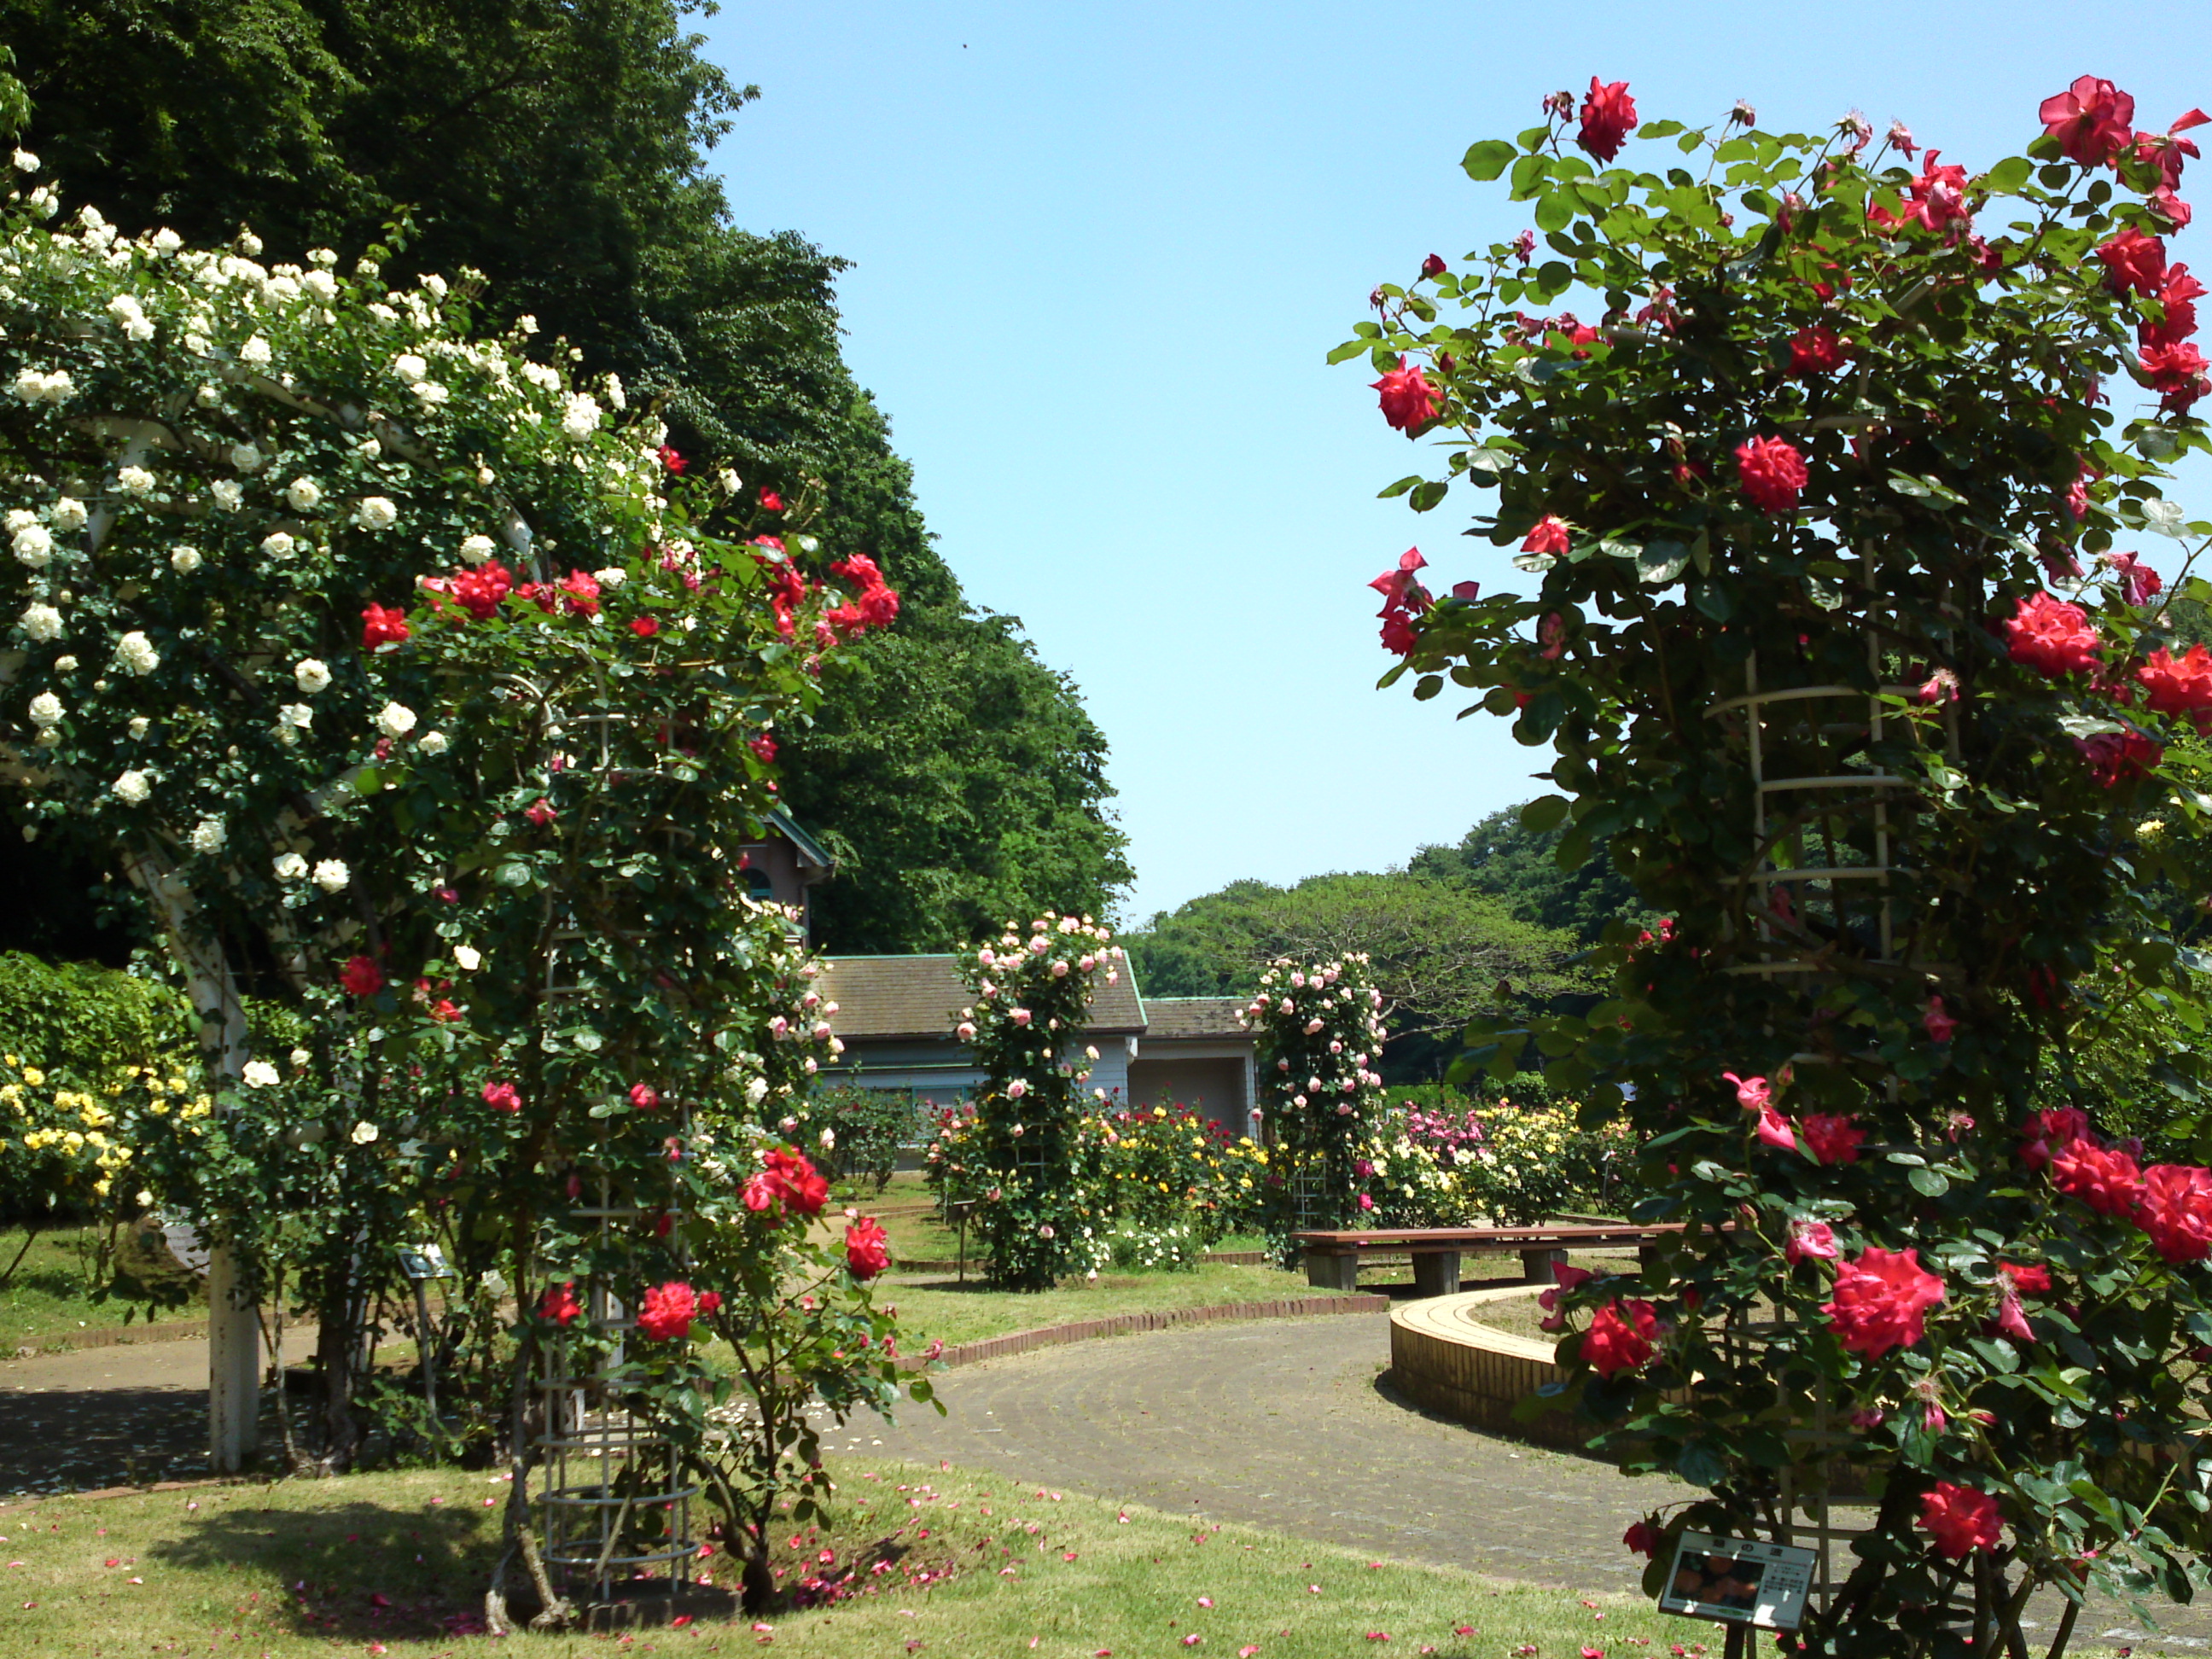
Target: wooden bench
1333,1258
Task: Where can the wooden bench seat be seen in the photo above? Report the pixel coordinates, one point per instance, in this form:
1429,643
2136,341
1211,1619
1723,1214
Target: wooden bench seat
1333,1256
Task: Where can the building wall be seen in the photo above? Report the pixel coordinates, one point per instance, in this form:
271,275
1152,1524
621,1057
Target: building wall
1215,1087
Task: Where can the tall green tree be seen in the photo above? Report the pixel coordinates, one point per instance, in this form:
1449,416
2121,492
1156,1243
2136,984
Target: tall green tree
560,147
1501,856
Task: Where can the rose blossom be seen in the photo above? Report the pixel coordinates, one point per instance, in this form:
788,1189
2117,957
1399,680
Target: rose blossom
1882,1301
1815,350
382,626
1808,1240
2106,1179
502,1097
1608,117
667,1311
2177,685
1407,399
1771,472
2176,1212
2050,636
559,1304
1959,1520
867,1249
361,977
1549,536
2042,1134
1833,1138
1620,1338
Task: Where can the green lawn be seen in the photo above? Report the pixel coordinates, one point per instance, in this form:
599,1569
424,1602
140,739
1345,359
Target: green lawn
48,1299
976,1565
934,1305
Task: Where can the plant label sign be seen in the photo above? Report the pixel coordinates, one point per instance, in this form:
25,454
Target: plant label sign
1740,1580
424,1261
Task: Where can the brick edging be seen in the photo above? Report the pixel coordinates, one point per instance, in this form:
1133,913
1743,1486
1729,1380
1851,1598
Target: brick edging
106,1336
1052,1336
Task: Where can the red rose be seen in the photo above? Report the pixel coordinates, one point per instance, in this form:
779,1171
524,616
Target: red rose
2092,120
2176,1212
1833,1138
672,460
2113,755
361,977
479,592
1815,350
1550,535
1882,1301
2176,297
788,1182
644,1096
644,627
2177,685
867,1250
2134,263
2139,583
382,625
762,745
1620,1338
1645,1539
1608,117
1960,1520
2165,150
559,1304
1433,265
772,502
710,1301
2029,1278
1939,1024
2104,1178
540,813
1809,1241
2051,636
502,1097
1771,472
2175,371
1774,1130
668,1311
1403,599
583,591
2047,1133
1407,399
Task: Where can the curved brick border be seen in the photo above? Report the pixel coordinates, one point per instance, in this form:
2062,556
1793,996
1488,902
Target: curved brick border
1444,1359
1054,1336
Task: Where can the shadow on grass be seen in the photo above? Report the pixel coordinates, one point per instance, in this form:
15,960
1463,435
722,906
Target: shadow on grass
83,1439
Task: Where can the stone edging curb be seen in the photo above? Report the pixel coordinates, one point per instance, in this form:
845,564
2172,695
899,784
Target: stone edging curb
1054,1336
107,1336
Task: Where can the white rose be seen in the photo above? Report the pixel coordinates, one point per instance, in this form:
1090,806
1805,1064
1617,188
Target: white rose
580,415
228,496
137,653
375,513
185,560
730,482
311,675
40,624
45,710
331,875
134,481
432,742
295,714
476,548
2164,517
132,788
304,494
321,284
261,1074
611,578
395,720
65,665
246,457
364,1133
300,1058
469,958
207,837
254,353
69,513
429,392
410,367
290,866
25,161
34,546
279,545
141,724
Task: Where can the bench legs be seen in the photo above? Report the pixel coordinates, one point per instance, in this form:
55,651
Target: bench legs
1331,1272
1435,1272
1536,1264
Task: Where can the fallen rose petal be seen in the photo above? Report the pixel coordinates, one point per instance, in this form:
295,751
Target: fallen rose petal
679,1621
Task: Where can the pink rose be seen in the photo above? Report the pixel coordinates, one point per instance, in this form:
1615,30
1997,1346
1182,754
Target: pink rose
1882,1301
2050,636
1407,399
2092,120
1608,117
1772,473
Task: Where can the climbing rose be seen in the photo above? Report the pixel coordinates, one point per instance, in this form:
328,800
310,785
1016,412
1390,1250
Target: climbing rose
1644,1539
1754,1094
2139,583
1940,1027
2176,1212
772,502
479,592
2046,1134
502,1097
867,1251
1960,1520
2176,372
1550,535
1809,1239
644,1096
2180,685
1833,1138
1815,350
668,1311
381,625
1620,1338
2104,1178
710,1301
1774,1129
2092,120
1608,117
1882,1301
2030,1278
788,1182
2178,298
540,813
1433,265
644,627
1773,473
559,1304
1407,399
583,591
361,977
2051,636
2134,263
2113,755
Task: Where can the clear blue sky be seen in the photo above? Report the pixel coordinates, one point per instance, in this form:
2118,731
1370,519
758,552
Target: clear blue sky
1099,253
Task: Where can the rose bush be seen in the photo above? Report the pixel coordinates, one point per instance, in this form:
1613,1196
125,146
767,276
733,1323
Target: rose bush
1318,1030
1834,638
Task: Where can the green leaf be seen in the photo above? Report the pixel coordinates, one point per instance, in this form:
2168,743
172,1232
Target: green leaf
2006,177
1928,1183
1485,161
1555,210
1348,351
1543,813
1399,488
1662,562
1427,493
